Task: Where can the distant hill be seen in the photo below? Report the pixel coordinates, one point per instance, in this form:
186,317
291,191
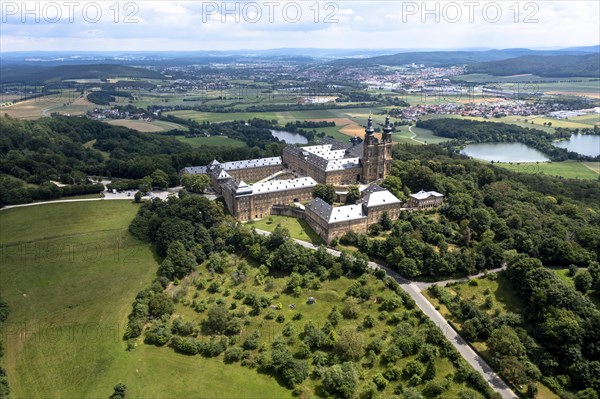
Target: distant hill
547,66
37,74
446,58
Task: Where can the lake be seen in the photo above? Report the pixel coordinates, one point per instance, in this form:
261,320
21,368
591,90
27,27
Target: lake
289,137
584,144
504,152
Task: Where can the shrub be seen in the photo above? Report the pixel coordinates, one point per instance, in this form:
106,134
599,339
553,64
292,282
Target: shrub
380,381
251,341
233,355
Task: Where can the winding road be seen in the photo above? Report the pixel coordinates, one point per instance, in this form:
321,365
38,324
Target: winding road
415,135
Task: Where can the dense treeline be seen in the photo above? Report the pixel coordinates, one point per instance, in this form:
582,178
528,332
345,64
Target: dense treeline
487,211
293,126
69,149
106,96
226,108
545,334
355,96
191,230
101,97
254,132
563,321
4,388
468,131
56,74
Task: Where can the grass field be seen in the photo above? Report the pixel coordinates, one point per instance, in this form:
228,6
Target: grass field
589,119
145,126
416,135
217,141
298,229
69,274
566,169
514,120
563,86
63,103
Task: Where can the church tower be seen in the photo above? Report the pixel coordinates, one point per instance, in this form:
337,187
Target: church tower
377,155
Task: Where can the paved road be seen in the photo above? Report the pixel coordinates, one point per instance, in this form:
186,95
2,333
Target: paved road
123,195
466,351
423,285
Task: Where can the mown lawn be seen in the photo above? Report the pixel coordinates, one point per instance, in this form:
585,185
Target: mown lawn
298,229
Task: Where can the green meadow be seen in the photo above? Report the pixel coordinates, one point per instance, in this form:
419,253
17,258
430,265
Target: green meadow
566,169
298,229
70,273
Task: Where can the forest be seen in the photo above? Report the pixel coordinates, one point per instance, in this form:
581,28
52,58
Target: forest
69,150
535,326
586,65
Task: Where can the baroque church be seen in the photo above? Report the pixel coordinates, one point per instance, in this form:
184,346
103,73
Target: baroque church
256,188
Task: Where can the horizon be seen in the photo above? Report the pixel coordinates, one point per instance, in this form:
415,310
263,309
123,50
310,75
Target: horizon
356,49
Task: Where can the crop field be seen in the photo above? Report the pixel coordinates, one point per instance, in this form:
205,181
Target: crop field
64,103
595,166
216,141
145,126
590,119
566,169
566,123
70,272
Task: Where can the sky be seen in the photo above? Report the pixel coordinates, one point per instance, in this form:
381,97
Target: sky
112,25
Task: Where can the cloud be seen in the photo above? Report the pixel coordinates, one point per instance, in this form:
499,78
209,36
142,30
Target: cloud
198,25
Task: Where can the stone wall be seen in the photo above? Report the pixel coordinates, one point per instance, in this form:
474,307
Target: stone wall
288,210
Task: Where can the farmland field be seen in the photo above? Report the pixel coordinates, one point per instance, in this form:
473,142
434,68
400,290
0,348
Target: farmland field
216,141
145,126
566,169
69,274
43,106
298,228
